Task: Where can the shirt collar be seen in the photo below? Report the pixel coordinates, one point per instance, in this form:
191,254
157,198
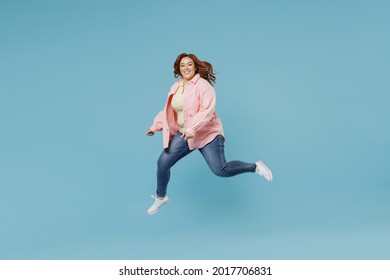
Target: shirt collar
195,78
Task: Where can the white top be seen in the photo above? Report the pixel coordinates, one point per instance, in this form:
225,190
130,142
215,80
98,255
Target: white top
177,105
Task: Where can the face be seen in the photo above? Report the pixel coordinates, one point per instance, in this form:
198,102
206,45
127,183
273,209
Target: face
187,68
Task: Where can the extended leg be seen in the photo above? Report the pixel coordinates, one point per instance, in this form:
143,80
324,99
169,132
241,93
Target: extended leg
214,154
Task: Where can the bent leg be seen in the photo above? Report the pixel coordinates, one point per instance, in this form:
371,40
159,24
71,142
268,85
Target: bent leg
214,154
178,148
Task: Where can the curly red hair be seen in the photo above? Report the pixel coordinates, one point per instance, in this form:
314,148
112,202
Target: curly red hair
203,68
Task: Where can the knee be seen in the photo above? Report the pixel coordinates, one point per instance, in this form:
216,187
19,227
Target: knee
163,162
220,171
160,162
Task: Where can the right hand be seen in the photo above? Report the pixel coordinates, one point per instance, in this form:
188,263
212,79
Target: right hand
149,132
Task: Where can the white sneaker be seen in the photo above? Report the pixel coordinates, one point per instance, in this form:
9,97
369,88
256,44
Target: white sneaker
263,170
157,204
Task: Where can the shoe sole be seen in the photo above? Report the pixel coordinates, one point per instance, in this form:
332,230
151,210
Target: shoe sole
268,171
155,211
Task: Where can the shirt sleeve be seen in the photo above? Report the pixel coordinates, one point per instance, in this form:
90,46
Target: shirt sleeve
206,110
158,122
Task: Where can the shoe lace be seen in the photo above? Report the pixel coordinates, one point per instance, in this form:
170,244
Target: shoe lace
157,201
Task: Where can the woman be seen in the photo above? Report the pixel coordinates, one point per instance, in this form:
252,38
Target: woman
189,122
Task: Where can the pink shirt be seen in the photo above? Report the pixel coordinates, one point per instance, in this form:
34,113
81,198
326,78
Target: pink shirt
200,118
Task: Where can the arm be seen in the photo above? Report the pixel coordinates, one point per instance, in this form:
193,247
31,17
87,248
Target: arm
157,124
158,120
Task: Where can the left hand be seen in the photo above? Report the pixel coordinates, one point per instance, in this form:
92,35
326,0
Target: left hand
187,136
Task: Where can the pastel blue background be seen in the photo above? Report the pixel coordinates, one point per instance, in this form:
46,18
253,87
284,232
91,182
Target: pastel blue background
302,85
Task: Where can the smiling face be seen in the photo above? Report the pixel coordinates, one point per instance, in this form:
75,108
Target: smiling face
187,68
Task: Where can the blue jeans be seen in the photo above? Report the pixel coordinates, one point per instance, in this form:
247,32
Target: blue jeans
213,153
